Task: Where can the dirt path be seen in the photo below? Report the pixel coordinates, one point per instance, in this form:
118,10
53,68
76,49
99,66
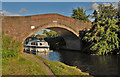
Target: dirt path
42,63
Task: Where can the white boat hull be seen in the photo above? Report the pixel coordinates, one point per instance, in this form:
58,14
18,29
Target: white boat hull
36,49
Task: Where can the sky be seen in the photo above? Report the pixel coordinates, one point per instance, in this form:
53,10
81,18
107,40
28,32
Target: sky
60,0
35,8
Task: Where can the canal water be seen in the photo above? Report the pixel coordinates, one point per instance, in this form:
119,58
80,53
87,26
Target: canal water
93,64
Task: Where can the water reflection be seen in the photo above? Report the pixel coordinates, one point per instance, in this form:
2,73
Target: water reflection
93,64
53,56
43,55
96,65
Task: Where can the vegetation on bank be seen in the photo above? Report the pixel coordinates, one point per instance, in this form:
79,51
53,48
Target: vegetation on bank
10,47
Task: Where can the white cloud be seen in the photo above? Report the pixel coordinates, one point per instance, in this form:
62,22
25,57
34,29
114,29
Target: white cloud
94,7
106,4
115,4
6,13
23,10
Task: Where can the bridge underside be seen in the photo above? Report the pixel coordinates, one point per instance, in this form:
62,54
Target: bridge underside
72,41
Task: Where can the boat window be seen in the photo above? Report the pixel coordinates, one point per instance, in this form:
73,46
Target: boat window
40,43
33,43
36,43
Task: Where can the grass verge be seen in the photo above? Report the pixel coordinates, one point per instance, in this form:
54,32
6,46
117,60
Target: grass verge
23,65
60,69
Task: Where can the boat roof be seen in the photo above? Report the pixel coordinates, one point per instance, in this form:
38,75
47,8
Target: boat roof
38,41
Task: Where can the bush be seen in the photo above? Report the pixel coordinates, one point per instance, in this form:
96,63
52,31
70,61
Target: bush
10,47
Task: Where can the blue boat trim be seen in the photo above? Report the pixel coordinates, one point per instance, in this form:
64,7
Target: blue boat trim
36,47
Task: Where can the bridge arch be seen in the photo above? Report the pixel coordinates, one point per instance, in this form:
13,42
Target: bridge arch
53,25
70,36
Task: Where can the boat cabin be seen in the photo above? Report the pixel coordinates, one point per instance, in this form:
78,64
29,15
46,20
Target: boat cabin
37,46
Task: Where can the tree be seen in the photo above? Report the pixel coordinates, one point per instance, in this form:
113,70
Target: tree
53,33
33,35
107,12
119,14
79,14
38,35
50,33
103,35
46,32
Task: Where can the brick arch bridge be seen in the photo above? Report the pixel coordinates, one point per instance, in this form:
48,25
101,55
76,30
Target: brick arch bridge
21,27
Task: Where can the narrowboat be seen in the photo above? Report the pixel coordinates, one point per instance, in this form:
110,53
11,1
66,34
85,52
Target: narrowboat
37,46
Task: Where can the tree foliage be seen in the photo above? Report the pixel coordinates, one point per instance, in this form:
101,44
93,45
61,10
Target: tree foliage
107,12
79,14
50,33
33,35
103,35
119,14
47,34
40,36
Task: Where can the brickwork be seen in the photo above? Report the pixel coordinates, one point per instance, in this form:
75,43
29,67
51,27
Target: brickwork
19,27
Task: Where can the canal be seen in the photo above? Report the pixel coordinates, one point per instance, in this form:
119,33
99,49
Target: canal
93,64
